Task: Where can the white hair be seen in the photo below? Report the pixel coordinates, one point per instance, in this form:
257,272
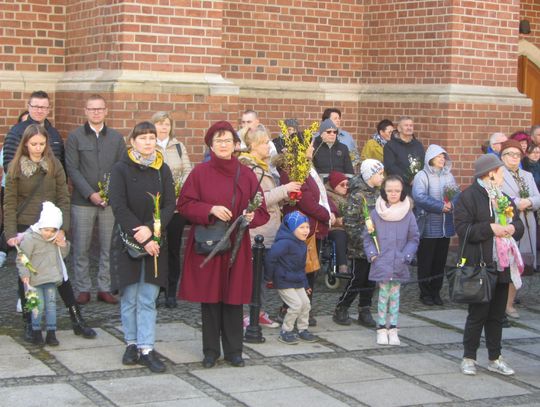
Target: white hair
494,137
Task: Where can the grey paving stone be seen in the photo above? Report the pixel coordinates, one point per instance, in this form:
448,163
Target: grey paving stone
9,347
147,389
100,359
517,333
181,351
334,371
22,365
454,317
415,364
195,402
389,393
431,335
178,331
473,387
532,348
69,341
353,340
296,396
43,395
247,379
272,347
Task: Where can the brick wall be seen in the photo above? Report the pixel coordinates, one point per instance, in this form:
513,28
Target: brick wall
530,11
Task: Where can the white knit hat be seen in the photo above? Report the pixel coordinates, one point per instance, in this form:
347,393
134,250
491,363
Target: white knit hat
370,167
50,217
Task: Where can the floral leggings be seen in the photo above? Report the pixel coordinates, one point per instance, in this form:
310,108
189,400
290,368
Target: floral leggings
388,302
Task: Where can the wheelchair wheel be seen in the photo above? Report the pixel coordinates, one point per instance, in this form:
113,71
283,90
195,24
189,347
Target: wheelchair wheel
331,282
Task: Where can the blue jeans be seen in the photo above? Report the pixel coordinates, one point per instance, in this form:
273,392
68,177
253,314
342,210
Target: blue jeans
47,299
138,312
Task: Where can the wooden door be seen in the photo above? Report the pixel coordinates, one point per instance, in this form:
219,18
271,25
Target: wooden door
529,83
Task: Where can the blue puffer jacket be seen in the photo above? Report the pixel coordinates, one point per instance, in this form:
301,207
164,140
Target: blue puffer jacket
285,262
428,195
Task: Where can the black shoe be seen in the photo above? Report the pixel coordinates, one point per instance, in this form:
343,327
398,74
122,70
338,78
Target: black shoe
170,302
427,301
152,362
236,361
341,316
365,318
131,355
312,321
437,300
506,323
208,362
37,338
280,315
50,339
78,323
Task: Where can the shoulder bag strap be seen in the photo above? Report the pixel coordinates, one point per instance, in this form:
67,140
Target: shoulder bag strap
179,150
462,249
234,186
35,188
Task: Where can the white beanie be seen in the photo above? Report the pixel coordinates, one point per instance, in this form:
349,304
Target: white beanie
50,217
370,167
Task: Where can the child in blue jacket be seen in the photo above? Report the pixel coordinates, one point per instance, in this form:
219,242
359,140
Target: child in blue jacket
285,266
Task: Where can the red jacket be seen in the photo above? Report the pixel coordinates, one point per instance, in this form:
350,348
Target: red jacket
211,183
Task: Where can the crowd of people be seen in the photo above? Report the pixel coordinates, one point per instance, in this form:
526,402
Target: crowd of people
382,208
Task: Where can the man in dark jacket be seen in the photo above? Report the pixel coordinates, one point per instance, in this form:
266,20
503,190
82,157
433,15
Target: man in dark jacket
38,107
91,151
404,154
330,154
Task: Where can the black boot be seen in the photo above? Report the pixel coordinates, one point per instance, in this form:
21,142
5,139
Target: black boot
37,338
50,339
312,321
28,334
365,318
78,323
341,316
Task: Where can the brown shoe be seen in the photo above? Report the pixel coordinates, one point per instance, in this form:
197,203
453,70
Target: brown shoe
83,298
107,297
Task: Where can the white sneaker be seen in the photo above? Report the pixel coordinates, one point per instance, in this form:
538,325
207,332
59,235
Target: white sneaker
393,338
500,366
468,366
382,336
19,306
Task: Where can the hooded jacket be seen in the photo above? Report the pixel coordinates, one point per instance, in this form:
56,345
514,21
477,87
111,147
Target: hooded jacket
428,194
399,155
285,263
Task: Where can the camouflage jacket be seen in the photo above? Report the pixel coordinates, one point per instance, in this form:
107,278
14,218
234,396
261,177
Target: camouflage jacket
353,218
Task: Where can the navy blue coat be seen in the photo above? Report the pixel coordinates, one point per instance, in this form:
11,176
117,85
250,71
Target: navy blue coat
285,262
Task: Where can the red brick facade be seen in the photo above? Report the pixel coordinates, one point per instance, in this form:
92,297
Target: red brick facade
450,65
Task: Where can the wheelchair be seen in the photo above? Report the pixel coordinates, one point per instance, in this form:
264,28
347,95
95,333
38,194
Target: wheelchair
329,269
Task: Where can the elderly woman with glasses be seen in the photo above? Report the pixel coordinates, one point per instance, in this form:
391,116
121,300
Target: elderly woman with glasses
329,153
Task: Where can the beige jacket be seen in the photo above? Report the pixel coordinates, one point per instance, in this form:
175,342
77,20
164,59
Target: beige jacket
180,167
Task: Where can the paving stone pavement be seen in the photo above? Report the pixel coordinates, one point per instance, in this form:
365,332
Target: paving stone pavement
346,368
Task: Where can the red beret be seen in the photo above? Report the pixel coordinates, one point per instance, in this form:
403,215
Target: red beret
220,126
335,177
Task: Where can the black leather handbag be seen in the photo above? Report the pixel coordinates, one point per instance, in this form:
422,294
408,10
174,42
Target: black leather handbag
471,284
131,246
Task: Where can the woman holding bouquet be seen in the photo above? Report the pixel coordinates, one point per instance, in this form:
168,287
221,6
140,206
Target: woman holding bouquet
176,157
142,199
434,193
219,190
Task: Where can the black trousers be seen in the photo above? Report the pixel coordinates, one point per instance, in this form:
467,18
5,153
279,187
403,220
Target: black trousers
431,257
359,285
488,317
175,228
340,239
222,321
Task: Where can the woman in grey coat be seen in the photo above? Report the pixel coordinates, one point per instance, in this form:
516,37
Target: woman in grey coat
520,186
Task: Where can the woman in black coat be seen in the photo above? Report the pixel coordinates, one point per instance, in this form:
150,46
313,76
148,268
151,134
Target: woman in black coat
476,207
141,172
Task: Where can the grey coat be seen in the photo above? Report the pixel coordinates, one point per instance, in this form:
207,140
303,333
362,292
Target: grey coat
89,159
527,244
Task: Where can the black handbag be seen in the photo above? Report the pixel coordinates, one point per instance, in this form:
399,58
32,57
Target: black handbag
131,246
471,284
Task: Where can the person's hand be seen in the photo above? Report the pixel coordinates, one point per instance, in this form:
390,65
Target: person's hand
309,150
510,230
293,186
309,291
524,204
332,219
60,239
498,230
96,199
142,234
152,248
221,212
14,241
447,207
339,221
248,216
373,258
25,280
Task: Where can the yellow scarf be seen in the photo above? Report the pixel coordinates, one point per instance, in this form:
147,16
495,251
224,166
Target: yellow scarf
257,161
136,158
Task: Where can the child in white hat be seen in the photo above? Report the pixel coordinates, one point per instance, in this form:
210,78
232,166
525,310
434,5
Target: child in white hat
45,254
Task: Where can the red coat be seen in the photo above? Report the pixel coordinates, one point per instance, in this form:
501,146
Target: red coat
211,183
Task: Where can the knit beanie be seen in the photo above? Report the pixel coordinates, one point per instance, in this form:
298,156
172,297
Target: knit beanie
335,177
326,125
294,219
511,143
50,217
486,163
370,167
220,126
294,124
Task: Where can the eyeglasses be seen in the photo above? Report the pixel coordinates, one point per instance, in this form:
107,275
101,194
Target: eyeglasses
96,109
513,155
224,142
36,107
331,131
344,184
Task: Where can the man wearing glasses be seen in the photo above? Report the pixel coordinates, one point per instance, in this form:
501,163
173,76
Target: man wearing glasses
91,151
38,108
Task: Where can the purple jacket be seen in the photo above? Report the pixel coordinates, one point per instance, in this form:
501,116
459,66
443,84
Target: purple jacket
398,242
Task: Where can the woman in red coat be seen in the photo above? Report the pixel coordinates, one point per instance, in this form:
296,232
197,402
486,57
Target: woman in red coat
219,189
